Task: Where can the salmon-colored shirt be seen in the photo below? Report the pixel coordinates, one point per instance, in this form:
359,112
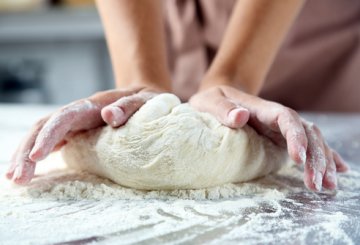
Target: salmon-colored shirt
317,67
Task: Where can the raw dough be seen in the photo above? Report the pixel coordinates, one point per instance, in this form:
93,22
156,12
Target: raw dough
169,145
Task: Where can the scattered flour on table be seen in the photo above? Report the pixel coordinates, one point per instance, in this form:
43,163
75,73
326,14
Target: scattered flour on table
71,185
55,181
272,209
92,187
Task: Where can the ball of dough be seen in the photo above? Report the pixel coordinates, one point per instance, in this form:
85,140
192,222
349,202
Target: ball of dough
169,145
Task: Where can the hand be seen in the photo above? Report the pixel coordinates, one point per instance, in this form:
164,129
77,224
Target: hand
48,134
282,125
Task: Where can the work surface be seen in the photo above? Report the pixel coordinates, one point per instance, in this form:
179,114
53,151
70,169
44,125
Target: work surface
294,216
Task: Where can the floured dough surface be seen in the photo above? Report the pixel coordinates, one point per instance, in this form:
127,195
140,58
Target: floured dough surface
169,145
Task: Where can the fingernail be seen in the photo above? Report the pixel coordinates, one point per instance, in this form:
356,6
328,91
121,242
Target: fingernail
36,154
331,176
233,114
117,115
317,180
8,174
302,154
32,154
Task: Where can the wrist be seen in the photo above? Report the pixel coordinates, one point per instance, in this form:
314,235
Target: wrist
244,82
216,80
147,85
159,83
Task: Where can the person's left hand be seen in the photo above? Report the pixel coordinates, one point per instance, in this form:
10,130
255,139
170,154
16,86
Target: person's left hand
282,125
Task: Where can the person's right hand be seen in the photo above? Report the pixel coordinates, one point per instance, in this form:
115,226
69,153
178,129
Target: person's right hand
113,107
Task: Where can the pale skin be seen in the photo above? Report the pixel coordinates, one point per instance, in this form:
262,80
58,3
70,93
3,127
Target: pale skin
135,36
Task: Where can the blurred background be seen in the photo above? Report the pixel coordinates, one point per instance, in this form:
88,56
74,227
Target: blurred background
51,51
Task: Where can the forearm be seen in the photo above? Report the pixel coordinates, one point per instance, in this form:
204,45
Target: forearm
253,36
135,37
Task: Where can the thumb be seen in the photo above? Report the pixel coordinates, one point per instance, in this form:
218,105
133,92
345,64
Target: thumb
117,113
238,117
224,109
231,114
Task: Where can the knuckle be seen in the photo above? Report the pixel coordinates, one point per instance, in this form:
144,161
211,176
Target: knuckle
222,103
312,127
224,106
63,109
81,105
194,101
315,129
222,88
293,113
106,94
275,107
67,107
288,112
123,101
328,157
40,122
331,166
100,94
282,112
145,95
129,103
215,92
197,102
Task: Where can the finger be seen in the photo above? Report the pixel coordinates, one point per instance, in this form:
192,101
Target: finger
330,178
24,171
78,115
52,133
60,145
237,117
117,113
277,118
292,129
22,168
9,173
42,140
315,165
341,165
225,110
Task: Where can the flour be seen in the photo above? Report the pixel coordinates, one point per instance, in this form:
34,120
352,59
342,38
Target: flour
67,184
56,181
77,186
273,209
